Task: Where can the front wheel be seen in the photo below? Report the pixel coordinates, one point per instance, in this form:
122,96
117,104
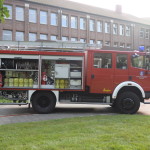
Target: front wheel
128,103
43,102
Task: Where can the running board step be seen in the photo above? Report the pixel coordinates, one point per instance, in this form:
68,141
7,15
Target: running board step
146,102
13,103
91,103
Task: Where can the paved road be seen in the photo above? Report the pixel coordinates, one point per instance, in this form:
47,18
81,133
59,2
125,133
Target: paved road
15,114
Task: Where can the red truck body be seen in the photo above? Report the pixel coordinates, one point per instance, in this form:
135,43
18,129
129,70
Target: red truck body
117,78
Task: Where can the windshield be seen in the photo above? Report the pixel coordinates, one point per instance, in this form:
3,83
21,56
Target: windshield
140,61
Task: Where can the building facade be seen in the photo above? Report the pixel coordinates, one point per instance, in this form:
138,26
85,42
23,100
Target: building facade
32,20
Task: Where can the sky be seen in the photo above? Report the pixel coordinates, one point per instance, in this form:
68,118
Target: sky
138,8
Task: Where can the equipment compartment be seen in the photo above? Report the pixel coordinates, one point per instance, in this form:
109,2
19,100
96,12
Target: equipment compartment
19,72
59,73
45,72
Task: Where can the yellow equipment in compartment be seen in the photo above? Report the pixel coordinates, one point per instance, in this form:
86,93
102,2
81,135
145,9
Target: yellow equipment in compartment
61,83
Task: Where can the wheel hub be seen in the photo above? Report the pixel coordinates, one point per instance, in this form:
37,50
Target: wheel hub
128,103
43,101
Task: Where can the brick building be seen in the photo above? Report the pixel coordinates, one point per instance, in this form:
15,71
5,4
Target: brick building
31,20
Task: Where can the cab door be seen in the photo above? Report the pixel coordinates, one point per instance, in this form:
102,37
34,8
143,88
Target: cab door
139,70
101,73
121,68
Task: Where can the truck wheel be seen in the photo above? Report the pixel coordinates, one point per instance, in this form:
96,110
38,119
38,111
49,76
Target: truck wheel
43,102
128,103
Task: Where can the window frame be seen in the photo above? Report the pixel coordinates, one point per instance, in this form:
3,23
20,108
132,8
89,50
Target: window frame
147,34
65,21
32,15
122,29
9,8
18,37
92,25
115,28
55,17
7,39
43,17
83,23
142,33
107,43
128,30
65,38
107,27
102,60
120,62
20,14
43,35
92,41
82,40
74,22
30,33
55,37
99,26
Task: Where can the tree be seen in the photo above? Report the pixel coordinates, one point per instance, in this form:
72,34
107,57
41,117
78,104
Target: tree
4,13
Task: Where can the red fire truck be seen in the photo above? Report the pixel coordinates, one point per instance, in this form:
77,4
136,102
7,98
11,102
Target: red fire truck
72,76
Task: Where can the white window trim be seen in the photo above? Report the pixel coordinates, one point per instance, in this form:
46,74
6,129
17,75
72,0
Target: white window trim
66,19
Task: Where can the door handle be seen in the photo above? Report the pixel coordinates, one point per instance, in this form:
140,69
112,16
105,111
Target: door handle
92,76
130,78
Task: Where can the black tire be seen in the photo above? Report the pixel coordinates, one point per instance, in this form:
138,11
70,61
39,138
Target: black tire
43,102
128,103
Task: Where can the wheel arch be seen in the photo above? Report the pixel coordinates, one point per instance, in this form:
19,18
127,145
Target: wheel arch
54,93
129,86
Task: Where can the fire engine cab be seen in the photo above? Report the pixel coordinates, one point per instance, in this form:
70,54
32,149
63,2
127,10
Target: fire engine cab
44,76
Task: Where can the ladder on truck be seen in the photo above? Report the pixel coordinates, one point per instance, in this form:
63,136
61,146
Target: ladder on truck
47,45
61,46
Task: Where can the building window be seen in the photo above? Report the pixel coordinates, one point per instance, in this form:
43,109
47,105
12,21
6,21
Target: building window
64,21
82,23
142,33
74,39
128,31
64,38
115,44
128,46
43,17
122,45
19,14
122,30
83,40
92,41
92,25
7,35
107,43
54,19
53,37
99,26
147,34
19,36
107,27
74,22
9,7
32,15
32,36
100,43
115,29
43,36
147,48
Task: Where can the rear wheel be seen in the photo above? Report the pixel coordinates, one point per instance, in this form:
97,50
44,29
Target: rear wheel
43,102
128,103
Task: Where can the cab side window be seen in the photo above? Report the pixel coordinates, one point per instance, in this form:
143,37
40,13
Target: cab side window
121,61
102,60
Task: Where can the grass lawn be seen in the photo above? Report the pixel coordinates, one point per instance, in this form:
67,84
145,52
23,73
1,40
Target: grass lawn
112,132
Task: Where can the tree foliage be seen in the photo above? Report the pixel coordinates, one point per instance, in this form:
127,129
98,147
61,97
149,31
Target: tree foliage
4,13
